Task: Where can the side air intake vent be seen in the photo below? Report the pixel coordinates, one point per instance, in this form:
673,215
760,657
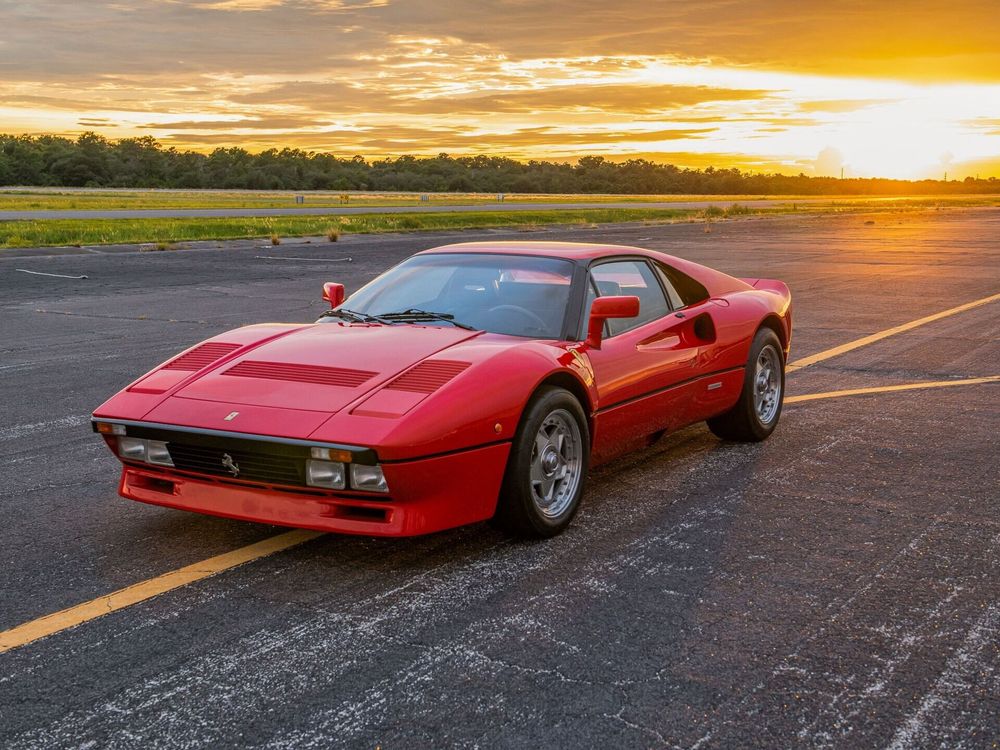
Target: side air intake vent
427,377
201,356
317,374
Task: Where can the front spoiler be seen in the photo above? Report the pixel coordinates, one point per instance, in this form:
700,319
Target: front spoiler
426,495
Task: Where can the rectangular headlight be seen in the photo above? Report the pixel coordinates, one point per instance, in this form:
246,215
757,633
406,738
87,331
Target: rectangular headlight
131,448
368,478
157,453
326,474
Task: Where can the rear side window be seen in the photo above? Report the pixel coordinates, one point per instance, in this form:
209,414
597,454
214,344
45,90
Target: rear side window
681,288
630,277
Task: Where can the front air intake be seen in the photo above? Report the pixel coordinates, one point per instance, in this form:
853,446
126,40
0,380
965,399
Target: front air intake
316,374
201,356
428,376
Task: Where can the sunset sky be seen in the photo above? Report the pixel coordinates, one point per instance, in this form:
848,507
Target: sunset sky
892,88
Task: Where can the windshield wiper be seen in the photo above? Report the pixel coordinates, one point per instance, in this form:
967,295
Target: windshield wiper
354,317
416,315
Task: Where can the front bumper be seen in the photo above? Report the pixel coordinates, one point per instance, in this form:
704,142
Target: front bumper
426,495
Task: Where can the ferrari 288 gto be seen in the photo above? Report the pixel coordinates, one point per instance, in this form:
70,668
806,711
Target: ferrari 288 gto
470,382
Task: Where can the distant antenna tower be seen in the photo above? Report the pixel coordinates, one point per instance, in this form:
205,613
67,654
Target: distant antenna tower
841,173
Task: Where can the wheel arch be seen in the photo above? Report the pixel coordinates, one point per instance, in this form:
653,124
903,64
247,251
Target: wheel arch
773,322
571,383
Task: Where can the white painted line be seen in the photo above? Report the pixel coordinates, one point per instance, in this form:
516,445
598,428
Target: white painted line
310,260
57,275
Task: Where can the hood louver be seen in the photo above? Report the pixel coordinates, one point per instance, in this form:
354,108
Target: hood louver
427,377
317,374
201,356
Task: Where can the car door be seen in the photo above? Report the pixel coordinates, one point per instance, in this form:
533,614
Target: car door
641,360
716,377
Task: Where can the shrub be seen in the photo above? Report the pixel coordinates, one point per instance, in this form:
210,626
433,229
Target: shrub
275,239
333,234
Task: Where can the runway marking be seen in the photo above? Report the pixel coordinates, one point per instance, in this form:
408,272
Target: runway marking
310,260
65,619
891,388
140,592
43,273
864,341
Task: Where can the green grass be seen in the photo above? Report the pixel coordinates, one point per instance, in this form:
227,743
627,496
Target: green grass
28,199
36,199
165,232
58,232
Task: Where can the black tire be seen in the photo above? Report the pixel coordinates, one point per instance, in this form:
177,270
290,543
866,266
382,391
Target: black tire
519,512
743,423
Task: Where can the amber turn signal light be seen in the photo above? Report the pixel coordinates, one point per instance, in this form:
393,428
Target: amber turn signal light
331,454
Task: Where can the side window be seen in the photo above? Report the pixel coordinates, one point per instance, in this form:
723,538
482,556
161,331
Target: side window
681,288
630,277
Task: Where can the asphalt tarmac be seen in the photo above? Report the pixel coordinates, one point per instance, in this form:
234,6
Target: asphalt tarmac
208,213
835,586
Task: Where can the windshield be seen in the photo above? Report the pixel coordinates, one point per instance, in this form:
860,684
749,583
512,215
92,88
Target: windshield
512,294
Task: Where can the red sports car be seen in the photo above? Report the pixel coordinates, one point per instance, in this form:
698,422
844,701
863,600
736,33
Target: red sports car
470,382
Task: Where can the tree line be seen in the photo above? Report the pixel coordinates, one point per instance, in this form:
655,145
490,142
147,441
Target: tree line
94,161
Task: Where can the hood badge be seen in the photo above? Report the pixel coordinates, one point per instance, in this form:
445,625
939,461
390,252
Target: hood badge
231,416
229,465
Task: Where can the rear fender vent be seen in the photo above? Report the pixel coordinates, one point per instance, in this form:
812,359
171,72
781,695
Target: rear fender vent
317,374
201,356
428,376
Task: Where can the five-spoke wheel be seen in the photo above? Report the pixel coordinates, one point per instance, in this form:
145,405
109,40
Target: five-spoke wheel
547,467
755,415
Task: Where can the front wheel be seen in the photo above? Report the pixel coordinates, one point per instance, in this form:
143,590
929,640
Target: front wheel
756,413
547,467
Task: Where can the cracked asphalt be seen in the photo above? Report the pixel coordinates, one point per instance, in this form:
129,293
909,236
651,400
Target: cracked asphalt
835,586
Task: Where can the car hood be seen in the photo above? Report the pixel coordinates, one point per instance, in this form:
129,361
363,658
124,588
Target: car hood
319,368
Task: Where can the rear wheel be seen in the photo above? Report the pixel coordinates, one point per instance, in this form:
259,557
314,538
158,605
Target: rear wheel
547,467
756,413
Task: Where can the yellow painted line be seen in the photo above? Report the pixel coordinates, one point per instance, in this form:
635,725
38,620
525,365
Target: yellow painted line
139,592
852,345
891,388
56,622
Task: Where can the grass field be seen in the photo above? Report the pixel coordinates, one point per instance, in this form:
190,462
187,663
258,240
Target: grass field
58,232
164,232
28,199
40,199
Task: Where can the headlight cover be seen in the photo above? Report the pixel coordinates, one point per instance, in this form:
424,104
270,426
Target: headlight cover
157,453
132,448
149,451
368,478
327,474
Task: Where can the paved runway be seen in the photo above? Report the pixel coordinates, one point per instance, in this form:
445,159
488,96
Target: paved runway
835,586
207,213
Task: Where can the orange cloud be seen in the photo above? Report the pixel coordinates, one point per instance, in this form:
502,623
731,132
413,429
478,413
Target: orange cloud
770,84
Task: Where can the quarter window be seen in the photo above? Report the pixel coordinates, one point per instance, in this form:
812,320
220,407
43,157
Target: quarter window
682,290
